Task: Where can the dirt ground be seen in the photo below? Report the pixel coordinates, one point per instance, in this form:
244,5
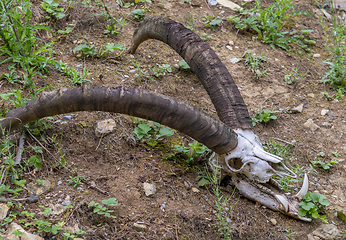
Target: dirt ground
119,165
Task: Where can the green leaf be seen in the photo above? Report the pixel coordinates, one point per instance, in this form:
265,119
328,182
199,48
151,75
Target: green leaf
80,47
35,161
110,202
184,65
342,216
302,212
203,182
307,31
145,128
307,206
20,183
216,21
166,132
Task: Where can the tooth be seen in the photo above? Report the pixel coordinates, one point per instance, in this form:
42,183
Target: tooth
304,188
283,202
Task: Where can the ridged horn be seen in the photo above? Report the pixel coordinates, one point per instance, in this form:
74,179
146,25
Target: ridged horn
144,104
203,61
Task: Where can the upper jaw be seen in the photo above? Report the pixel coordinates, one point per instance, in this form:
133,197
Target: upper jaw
267,193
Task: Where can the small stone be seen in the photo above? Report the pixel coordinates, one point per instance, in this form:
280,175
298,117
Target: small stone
58,209
149,189
326,231
14,227
37,189
331,115
234,60
229,48
80,189
324,112
195,190
273,221
231,43
317,55
68,117
298,109
311,125
3,211
32,199
139,227
311,95
212,2
105,127
326,125
310,237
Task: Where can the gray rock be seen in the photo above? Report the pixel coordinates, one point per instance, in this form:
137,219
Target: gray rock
3,211
327,125
139,227
27,236
32,199
105,127
311,125
331,115
324,112
149,189
37,189
326,231
298,109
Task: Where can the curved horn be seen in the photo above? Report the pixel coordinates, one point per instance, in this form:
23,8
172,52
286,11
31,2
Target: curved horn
214,76
144,104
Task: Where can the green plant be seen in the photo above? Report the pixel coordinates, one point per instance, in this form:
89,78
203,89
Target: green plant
99,209
11,77
264,117
151,132
141,72
75,181
67,235
161,70
255,63
335,37
325,166
21,46
184,65
189,22
64,33
138,14
194,151
293,76
205,36
289,233
268,24
75,76
52,7
222,206
326,95
312,205
211,21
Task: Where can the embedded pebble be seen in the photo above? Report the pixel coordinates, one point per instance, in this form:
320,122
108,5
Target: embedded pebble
324,112
298,109
68,117
235,60
327,125
3,211
139,227
273,221
326,231
311,125
331,115
149,189
105,127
